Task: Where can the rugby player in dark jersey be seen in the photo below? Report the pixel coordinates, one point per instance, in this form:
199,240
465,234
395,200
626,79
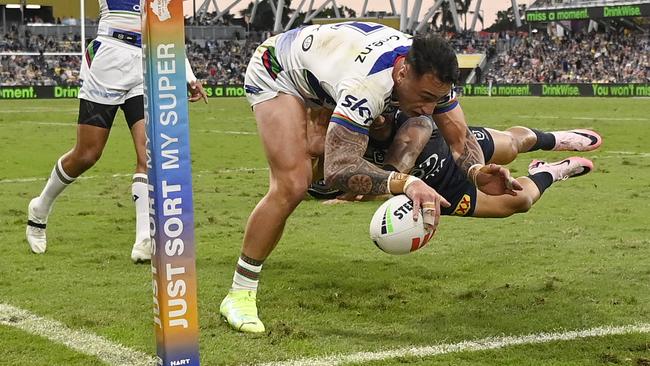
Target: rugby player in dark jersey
435,164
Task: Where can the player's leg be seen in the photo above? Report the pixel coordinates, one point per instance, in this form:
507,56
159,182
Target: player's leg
281,123
133,109
541,176
516,140
509,143
506,205
95,121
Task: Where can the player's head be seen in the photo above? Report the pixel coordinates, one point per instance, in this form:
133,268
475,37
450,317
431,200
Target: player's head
427,74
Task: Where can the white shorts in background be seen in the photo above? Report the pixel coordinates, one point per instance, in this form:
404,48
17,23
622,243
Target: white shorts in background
265,77
111,71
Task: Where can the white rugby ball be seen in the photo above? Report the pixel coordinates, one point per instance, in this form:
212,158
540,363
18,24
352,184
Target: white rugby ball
393,230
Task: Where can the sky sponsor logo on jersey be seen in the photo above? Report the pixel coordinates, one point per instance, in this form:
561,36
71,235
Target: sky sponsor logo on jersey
358,105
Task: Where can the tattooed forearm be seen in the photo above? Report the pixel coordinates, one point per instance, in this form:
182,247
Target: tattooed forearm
408,143
469,154
345,168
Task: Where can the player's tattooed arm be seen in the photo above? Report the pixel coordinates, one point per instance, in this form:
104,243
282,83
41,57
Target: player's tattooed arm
470,153
345,168
408,143
462,142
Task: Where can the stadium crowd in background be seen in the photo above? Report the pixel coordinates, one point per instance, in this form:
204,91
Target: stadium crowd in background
38,70
206,19
220,63
581,58
612,57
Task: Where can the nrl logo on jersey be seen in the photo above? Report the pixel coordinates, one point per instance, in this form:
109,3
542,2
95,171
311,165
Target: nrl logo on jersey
161,9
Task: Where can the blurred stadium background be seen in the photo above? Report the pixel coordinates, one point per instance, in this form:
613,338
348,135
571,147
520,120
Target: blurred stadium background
587,41
577,261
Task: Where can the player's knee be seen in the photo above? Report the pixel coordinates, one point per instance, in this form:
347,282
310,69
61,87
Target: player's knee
87,159
523,138
291,189
522,204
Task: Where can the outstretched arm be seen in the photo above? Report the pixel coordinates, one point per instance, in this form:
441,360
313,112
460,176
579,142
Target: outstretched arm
464,147
345,168
491,179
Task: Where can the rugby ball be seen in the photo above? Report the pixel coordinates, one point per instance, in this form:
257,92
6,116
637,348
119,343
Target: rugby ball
393,230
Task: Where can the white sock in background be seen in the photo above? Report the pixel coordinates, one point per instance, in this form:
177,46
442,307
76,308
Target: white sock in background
140,191
57,182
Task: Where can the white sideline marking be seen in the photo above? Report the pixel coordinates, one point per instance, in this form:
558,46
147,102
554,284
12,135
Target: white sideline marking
587,118
81,341
198,174
465,346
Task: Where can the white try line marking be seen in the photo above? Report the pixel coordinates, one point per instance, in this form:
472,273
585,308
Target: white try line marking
40,109
83,177
465,346
587,118
81,341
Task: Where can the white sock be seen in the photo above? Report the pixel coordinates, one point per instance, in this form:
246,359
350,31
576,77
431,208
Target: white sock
57,182
140,192
247,274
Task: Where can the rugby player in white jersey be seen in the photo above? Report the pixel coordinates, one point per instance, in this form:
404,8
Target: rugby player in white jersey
112,78
358,70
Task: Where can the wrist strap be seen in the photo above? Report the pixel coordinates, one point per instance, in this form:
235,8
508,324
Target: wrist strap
473,171
398,182
410,180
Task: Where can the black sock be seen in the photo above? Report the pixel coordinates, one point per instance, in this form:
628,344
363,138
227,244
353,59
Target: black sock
542,180
545,140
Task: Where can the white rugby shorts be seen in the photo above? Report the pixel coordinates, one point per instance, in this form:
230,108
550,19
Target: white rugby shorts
111,71
265,77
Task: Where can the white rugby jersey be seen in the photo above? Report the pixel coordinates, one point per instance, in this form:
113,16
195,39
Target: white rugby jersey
118,15
123,16
346,67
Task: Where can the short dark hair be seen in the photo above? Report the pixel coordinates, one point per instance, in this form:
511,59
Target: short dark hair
430,53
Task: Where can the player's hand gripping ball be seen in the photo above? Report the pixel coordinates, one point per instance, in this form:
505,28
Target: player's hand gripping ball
393,230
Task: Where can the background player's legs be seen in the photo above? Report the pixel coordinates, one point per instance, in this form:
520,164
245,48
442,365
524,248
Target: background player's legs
282,125
140,193
91,141
133,109
88,149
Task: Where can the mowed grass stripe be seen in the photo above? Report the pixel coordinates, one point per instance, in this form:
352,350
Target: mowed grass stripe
81,341
484,344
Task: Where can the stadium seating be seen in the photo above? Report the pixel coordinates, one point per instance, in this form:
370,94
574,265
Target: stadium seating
514,58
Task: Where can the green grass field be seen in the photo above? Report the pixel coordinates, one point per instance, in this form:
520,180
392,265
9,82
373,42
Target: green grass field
578,260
